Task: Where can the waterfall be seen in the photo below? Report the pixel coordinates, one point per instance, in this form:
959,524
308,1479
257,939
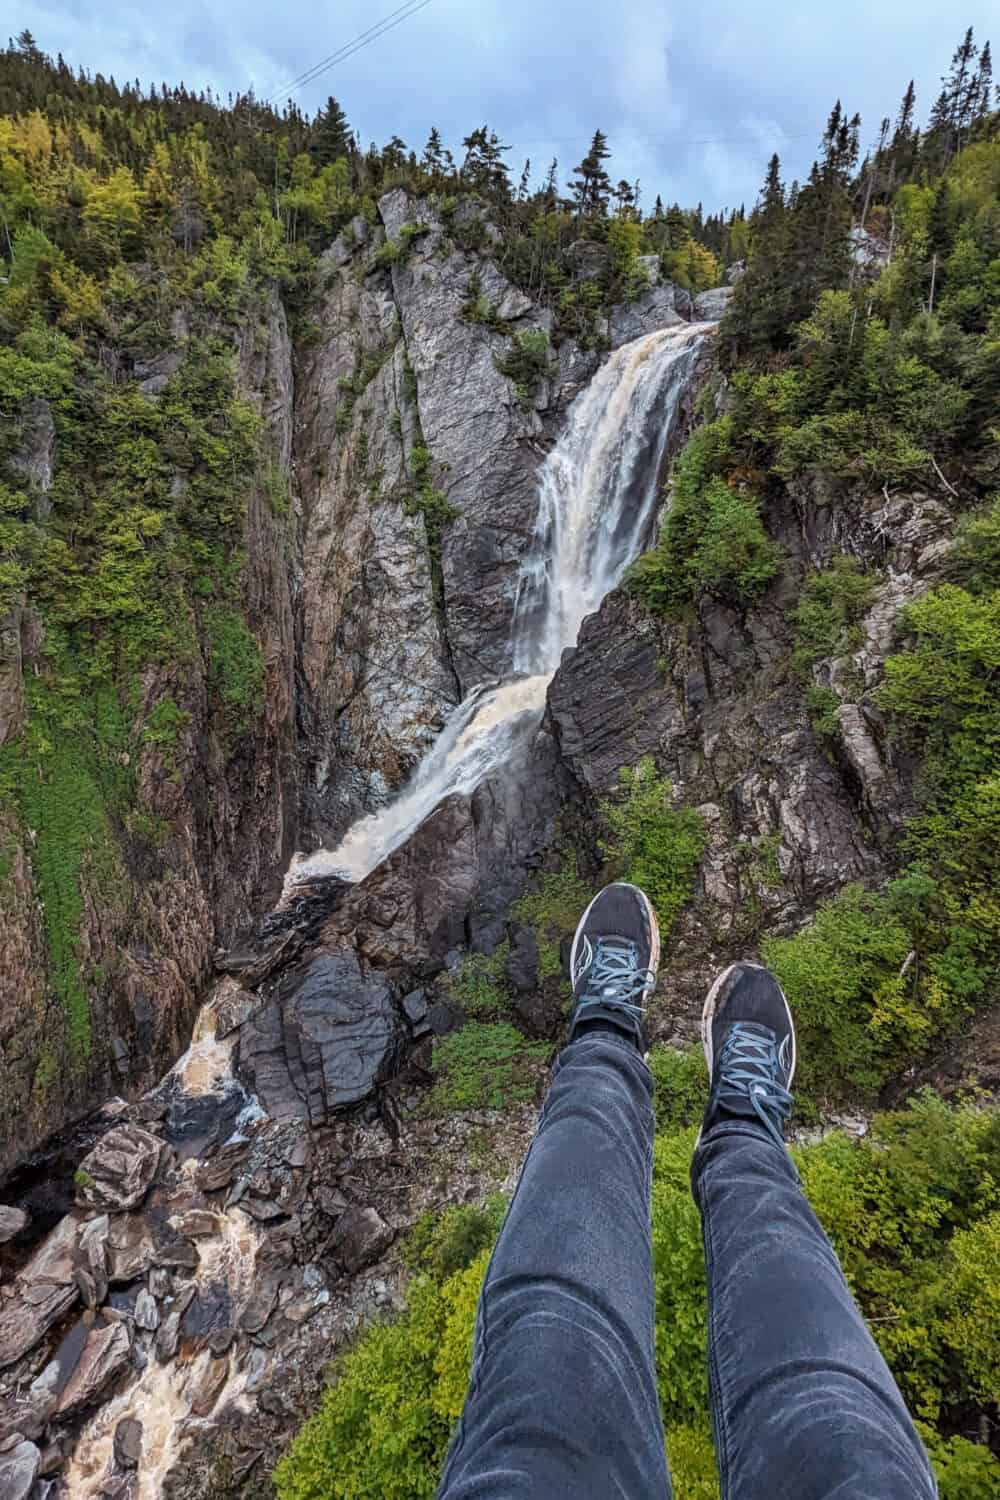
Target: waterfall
598,499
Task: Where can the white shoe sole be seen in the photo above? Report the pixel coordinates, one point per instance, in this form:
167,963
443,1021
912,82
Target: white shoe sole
654,927
708,1016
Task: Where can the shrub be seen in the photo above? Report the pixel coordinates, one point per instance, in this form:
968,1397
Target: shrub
830,609
712,539
479,986
553,909
528,362
654,845
236,667
485,1066
441,1244
681,1080
841,975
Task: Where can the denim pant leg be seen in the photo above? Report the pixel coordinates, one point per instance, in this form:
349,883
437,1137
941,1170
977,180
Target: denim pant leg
804,1406
562,1400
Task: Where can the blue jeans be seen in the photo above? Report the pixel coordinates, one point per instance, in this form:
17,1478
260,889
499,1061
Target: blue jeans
562,1400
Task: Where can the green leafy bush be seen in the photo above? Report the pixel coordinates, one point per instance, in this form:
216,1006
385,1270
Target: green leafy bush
553,909
830,609
485,1066
654,845
712,540
236,667
480,986
681,1080
528,362
441,1244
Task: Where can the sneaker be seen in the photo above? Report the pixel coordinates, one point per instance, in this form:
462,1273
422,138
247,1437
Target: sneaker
749,1039
616,953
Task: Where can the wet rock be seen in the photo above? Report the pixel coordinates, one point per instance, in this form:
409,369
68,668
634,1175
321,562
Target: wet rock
709,307
233,1005
205,1386
19,1468
129,1247
168,1333
42,1293
326,1044
522,961
128,1443
177,1254
361,1235
34,456
104,1356
262,1302
12,1221
118,1172
222,1167
196,1223
147,1314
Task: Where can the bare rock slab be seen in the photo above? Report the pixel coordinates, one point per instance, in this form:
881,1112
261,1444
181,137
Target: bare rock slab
117,1174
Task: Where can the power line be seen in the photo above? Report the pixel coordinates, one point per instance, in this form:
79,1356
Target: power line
363,39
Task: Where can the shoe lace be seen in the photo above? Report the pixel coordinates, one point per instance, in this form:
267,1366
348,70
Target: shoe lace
615,980
750,1066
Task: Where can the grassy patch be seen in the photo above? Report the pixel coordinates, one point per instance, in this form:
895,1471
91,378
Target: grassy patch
553,909
485,1065
652,844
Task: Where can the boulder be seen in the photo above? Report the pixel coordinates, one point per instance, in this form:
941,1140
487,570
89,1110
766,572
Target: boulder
360,1237
117,1174
128,1443
325,1043
45,1289
651,310
18,1471
147,1314
12,1220
103,1357
709,307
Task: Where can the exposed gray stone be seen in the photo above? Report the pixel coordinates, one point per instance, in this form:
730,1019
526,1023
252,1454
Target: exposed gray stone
360,1237
19,1470
147,1314
45,1289
650,310
119,1170
12,1220
104,1356
327,1045
709,307
128,1443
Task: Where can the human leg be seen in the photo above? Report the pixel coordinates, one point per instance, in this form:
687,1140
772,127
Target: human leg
804,1405
562,1399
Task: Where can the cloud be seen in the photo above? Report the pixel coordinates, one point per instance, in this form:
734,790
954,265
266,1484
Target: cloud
693,99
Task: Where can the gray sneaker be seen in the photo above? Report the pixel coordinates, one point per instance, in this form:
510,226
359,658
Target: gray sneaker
616,953
749,1040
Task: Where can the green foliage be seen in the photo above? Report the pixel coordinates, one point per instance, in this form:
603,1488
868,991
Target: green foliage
831,606
236,667
441,1244
553,909
712,540
485,1066
652,844
528,362
479,986
911,1210
681,1082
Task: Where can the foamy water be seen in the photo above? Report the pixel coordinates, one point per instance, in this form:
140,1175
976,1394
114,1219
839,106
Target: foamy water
598,497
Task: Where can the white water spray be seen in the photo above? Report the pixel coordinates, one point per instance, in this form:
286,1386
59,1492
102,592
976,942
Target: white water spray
598,495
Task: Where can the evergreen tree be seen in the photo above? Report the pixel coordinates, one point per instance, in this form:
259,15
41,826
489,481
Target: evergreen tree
522,186
759,319
484,167
432,160
983,101
591,187
624,196
331,134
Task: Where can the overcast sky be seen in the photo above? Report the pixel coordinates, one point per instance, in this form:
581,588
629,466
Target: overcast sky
693,97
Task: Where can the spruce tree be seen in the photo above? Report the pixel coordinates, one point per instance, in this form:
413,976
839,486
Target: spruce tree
433,158
591,187
331,138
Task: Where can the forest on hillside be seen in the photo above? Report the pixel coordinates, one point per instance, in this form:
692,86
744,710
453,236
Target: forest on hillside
860,354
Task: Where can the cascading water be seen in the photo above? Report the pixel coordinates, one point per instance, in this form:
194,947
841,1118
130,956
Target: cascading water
598,492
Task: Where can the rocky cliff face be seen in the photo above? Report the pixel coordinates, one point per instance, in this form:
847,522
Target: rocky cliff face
378,600
150,922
